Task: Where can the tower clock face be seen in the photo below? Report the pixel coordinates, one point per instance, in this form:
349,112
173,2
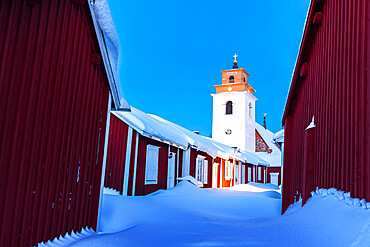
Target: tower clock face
228,132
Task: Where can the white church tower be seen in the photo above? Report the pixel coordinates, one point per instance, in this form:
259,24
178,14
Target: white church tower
233,120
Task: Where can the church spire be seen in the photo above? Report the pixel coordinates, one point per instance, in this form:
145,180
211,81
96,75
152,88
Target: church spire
235,62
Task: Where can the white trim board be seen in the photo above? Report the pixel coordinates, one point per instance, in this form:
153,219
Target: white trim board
127,162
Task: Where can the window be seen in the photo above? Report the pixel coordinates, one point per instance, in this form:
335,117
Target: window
201,169
250,109
249,174
228,170
231,79
151,167
229,107
259,173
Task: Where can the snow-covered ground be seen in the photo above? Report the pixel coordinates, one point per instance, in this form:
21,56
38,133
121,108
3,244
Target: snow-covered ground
246,215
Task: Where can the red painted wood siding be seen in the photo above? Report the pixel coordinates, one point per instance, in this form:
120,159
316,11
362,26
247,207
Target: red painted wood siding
115,168
132,164
141,188
193,157
263,170
53,108
336,91
181,155
226,182
174,150
116,157
246,172
273,170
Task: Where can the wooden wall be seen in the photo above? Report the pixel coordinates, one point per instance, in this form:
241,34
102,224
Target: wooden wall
53,109
331,83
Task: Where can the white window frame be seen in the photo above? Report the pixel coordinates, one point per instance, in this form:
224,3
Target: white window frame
201,169
249,174
276,175
151,166
228,170
259,170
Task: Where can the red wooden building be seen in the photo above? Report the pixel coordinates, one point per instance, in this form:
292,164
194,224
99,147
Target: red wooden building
147,153
229,166
56,84
140,162
330,89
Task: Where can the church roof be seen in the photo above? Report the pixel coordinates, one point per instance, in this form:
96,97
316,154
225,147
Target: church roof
275,157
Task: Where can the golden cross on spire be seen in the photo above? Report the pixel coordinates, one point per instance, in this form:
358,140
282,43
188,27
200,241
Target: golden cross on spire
235,56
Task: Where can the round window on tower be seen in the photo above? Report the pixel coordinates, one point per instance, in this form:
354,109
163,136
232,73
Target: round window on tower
228,132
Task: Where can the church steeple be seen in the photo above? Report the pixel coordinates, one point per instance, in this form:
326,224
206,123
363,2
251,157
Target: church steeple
234,79
235,62
234,110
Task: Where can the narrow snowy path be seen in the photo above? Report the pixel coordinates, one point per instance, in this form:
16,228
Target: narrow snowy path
189,216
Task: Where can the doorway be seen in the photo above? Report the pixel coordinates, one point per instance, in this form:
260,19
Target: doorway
171,170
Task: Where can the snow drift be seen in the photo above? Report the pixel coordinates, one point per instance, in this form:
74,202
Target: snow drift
189,216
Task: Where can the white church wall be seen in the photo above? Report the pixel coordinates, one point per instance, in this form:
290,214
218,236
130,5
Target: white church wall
250,119
241,123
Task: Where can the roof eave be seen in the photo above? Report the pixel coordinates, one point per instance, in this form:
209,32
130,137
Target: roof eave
295,76
118,100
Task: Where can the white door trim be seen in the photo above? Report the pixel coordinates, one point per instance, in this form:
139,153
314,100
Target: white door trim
127,162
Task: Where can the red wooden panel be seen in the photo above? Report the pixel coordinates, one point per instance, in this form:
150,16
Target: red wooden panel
141,188
336,92
225,182
193,157
174,150
132,164
116,157
53,106
181,154
272,170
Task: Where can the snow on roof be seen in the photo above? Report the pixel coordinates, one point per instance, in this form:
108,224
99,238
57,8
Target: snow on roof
158,128
200,142
268,137
275,157
151,127
109,47
279,136
215,149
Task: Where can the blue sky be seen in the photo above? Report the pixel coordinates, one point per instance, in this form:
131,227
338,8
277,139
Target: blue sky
172,53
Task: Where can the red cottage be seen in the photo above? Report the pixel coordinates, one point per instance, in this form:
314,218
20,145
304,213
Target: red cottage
327,115
201,164
55,87
219,164
147,153
140,162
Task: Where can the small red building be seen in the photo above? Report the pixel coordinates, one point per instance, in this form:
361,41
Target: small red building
138,161
56,90
327,114
147,153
